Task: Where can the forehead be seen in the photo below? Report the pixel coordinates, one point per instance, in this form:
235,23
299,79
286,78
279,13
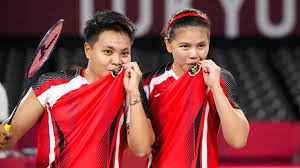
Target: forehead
113,39
191,33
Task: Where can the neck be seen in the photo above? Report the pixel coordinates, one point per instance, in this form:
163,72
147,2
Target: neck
91,76
178,70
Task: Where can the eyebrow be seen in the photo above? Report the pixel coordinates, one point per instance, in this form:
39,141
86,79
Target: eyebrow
201,42
108,46
111,47
125,48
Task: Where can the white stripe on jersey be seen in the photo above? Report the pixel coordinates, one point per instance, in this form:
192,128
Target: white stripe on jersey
150,158
146,89
204,137
51,138
158,80
56,92
43,98
118,141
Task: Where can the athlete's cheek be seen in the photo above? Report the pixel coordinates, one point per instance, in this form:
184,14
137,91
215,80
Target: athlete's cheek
125,60
203,55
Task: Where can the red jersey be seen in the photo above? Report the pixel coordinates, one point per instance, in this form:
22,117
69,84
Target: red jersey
81,125
184,118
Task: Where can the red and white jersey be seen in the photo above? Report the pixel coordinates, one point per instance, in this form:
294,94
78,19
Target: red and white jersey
82,125
184,118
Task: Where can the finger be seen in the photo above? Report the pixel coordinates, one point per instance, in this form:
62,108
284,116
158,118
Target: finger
134,66
127,73
129,64
204,65
132,72
203,61
212,63
137,70
209,61
125,65
206,68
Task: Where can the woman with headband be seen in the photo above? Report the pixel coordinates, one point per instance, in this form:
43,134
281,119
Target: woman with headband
191,98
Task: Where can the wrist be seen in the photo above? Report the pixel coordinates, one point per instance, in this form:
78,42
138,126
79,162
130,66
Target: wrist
134,101
134,97
216,89
133,93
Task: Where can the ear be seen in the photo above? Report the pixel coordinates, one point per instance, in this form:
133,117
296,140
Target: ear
168,45
87,50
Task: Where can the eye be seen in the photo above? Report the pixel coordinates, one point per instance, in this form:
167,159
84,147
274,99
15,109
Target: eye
107,52
125,53
183,46
202,45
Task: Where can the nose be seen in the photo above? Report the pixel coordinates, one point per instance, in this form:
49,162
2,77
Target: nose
115,60
193,54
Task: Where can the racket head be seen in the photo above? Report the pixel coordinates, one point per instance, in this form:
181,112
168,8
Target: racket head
45,48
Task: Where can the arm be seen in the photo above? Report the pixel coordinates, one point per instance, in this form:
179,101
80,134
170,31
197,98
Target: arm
140,135
25,118
234,124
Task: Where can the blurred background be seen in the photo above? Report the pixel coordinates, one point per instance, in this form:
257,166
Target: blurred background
256,40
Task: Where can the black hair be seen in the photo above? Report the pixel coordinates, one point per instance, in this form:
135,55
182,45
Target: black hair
185,22
107,20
